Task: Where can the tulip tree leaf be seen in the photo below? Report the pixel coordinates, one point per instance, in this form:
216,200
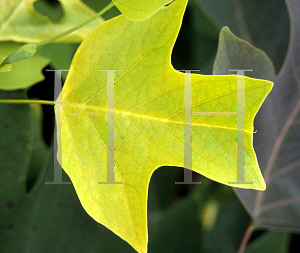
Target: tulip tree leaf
234,53
149,120
138,10
21,23
22,74
278,138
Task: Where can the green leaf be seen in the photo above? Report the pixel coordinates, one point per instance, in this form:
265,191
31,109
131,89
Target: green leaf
61,55
162,190
52,220
149,120
15,145
23,74
277,139
138,10
53,12
275,242
188,52
20,54
99,5
202,21
6,68
230,225
178,228
39,147
21,23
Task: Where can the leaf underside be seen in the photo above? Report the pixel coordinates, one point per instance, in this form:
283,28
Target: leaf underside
279,206
277,139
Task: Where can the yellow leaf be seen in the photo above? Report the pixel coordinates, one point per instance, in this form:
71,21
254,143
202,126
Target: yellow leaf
138,10
21,23
149,120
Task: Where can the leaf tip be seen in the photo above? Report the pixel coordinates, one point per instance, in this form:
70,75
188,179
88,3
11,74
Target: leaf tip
263,186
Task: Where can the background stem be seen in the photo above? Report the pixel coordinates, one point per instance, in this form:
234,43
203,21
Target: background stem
58,36
246,238
22,101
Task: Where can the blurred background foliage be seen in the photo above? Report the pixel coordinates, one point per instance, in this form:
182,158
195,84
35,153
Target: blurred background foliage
181,218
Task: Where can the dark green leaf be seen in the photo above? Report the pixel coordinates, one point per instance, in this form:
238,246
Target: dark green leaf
52,220
178,229
61,55
275,242
39,148
231,222
15,151
99,5
54,13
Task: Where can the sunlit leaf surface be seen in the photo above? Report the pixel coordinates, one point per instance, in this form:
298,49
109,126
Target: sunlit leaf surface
138,10
149,120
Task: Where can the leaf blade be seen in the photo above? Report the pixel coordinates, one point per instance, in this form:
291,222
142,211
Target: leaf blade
23,74
21,23
22,53
138,10
276,143
149,109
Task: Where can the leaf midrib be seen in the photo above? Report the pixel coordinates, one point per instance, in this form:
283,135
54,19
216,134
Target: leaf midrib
148,117
10,16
